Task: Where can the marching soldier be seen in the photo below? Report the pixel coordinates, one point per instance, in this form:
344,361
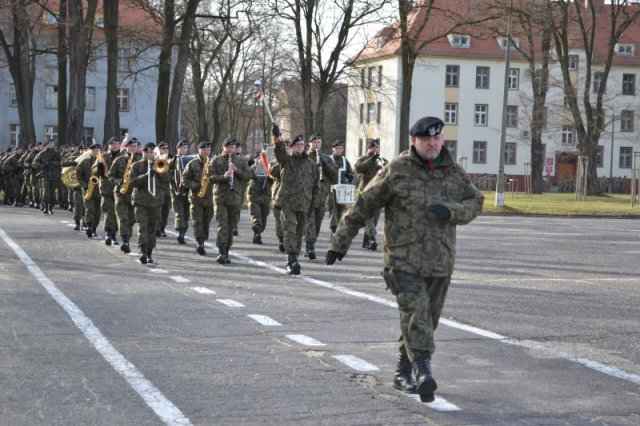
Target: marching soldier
34,182
90,192
146,200
120,176
274,168
195,178
179,193
346,175
327,176
242,186
25,176
12,171
259,198
75,194
367,167
164,189
101,169
47,164
229,174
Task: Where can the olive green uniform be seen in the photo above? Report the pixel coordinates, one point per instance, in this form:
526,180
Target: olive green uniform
320,193
146,205
106,187
259,199
125,214
179,194
47,166
367,167
201,207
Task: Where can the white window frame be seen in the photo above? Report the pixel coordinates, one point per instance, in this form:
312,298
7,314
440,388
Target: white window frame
451,113
452,72
452,146
624,159
50,132
90,98
481,115
567,135
510,153
479,152
51,96
13,98
512,115
459,41
124,59
124,99
14,134
514,78
574,61
482,78
627,120
625,49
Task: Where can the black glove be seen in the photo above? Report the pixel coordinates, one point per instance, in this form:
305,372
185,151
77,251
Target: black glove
331,257
375,156
322,161
441,212
275,130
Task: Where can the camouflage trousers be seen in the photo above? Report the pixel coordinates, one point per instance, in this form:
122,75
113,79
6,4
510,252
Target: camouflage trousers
109,210
277,215
314,222
201,215
370,225
420,302
259,213
49,187
125,214
63,193
335,211
147,219
77,203
35,189
294,224
92,209
180,204
163,212
227,217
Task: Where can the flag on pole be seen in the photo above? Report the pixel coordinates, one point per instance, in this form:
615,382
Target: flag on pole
259,95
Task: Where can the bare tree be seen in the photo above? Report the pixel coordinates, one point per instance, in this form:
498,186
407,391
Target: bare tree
61,55
111,116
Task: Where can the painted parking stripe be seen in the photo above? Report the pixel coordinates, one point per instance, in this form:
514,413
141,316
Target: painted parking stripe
180,279
356,363
305,340
231,303
164,409
264,320
203,290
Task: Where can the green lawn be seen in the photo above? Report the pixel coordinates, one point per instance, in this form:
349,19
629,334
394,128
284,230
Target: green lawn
556,204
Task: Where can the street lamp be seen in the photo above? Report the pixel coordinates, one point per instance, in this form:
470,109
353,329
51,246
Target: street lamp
505,102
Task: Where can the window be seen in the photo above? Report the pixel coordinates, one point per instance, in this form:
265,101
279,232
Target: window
371,112
600,156
567,135
362,78
123,99
99,20
481,114
372,77
50,132
87,133
459,41
380,76
14,134
502,42
13,100
597,81
626,121
514,78
482,77
361,113
49,18
625,49
92,59
510,153
379,112
573,62
479,152
451,113
628,84
625,157
452,146
512,116
90,98
452,76
123,59
51,97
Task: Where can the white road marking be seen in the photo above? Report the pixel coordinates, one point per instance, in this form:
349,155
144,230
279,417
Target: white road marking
264,320
356,363
158,271
164,409
305,340
203,290
439,404
180,279
231,303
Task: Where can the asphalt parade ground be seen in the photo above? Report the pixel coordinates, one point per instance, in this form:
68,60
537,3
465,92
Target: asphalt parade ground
540,327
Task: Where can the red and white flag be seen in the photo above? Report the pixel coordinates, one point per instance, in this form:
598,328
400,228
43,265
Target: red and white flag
259,95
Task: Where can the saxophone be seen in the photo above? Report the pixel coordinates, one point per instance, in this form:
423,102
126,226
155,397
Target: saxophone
93,181
126,182
204,180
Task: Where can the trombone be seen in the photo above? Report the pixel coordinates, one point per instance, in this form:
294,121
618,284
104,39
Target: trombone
155,167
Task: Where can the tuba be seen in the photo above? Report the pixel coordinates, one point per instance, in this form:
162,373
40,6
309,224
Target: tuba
204,180
68,176
126,182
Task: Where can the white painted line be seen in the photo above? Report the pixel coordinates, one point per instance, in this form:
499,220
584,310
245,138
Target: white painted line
231,303
164,409
304,340
66,221
71,225
263,319
439,404
158,271
356,363
180,279
203,290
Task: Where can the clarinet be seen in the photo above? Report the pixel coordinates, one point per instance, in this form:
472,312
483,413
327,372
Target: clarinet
319,165
231,187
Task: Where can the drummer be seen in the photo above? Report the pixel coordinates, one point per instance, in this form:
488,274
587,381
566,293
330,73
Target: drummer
345,176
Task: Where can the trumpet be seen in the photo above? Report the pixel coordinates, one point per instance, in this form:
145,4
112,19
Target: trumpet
155,167
93,181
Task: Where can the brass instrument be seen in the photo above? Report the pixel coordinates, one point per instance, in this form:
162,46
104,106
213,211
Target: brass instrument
160,166
100,160
204,179
93,181
231,187
126,182
68,176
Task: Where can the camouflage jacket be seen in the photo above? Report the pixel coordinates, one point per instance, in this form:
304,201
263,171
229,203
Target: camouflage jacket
106,186
11,166
117,173
367,167
259,188
192,179
222,192
274,169
329,177
298,176
83,171
140,182
414,240
47,164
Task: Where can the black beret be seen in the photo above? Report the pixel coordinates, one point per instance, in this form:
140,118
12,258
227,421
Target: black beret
299,138
204,144
229,141
338,142
373,142
315,136
39,143
114,140
238,144
427,126
31,145
95,145
73,145
82,145
183,142
163,145
149,146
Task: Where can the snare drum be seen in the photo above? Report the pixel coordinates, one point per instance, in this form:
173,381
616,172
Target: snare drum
345,193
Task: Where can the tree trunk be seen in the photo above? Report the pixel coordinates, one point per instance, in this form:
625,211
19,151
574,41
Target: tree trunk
201,104
112,116
62,75
164,69
408,61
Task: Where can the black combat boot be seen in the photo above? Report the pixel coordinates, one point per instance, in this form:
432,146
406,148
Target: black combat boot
227,260
31,204
425,383
44,209
149,258
163,233
200,248
93,230
372,244
365,241
181,240
70,209
333,230
37,206
310,252
221,259
77,227
235,231
125,244
281,244
89,230
107,239
293,267
403,379
143,255
50,208
113,238
257,238
158,234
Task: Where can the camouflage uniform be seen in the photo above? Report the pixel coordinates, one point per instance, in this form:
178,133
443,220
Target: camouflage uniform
179,197
320,193
12,171
259,199
108,198
25,177
125,213
47,166
419,250
347,176
91,205
274,169
367,167
34,181
75,194
201,208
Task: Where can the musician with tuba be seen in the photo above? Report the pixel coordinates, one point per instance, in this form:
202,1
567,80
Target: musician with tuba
120,176
101,169
90,191
196,179
229,175
367,167
147,175
179,193
47,166
69,178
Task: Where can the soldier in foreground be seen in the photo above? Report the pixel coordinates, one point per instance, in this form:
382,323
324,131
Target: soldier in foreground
425,195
